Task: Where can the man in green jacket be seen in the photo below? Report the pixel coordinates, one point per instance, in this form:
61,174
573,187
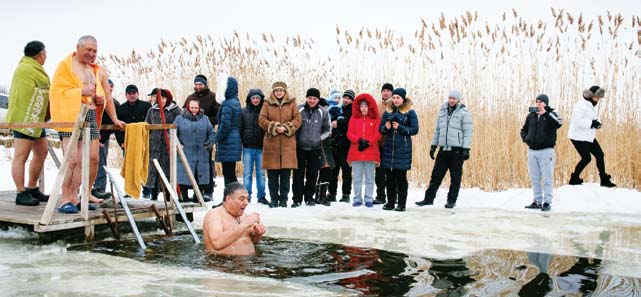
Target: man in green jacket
28,103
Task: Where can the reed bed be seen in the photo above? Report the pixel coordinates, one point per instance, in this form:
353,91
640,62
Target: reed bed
500,66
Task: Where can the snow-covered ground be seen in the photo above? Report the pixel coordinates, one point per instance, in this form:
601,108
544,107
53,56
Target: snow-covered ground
586,220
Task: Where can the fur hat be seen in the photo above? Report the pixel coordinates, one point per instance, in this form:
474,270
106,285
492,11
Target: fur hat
594,91
544,98
279,85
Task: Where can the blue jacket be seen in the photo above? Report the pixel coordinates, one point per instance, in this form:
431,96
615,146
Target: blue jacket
196,135
397,150
229,144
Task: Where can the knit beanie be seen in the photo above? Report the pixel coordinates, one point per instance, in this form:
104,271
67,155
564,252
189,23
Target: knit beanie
400,91
387,86
350,94
200,79
314,92
455,94
544,98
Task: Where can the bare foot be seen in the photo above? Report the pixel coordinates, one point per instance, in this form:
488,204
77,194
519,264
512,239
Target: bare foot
93,199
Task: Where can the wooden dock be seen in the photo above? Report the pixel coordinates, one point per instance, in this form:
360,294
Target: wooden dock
31,215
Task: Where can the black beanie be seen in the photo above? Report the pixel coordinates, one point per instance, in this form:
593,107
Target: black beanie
313,92
200,79
593,89
388,86
543,98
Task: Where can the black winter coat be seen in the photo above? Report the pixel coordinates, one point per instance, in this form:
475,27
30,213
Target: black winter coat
129,113
539,132
250,132
339,134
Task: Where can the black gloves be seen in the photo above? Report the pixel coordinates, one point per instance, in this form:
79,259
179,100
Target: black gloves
466,154
362,144
432,151
596,124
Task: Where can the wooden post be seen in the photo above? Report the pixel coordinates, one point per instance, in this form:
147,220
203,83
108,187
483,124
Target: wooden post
85,186
190,175
89,232
69,152
53,155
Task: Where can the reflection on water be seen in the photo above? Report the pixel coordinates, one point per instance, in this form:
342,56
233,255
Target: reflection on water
377,272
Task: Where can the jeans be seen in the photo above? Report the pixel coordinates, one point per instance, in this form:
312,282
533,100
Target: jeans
229,172
304,184
540,164
363,172
101,179
278,183
253,160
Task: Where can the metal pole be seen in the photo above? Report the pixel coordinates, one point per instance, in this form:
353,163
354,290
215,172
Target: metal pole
132,222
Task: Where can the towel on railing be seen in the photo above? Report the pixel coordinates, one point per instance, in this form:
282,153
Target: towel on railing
136,164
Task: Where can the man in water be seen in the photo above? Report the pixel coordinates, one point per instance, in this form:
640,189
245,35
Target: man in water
227,230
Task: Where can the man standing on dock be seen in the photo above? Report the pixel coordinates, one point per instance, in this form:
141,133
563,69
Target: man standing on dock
29,103
77,81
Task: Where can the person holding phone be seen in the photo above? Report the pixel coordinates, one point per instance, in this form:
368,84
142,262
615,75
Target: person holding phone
539,133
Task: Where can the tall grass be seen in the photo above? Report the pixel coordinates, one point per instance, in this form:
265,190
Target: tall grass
499,66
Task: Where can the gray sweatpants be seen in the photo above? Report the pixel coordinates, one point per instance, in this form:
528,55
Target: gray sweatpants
540,164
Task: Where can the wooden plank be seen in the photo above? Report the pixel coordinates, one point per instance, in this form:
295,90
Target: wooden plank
47,125
85,167
190,175
57,185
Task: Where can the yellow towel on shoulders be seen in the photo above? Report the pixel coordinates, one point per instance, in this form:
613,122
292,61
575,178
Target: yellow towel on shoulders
136,164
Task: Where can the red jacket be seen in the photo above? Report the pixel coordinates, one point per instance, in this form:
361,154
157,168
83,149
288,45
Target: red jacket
365,127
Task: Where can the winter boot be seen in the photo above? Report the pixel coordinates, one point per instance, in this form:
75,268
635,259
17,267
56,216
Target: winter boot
391,200
345,198
331,197
402,198
428,200
575,180
262,200
322,195
35,193
283,201
546,207
450,204
606,182
25,198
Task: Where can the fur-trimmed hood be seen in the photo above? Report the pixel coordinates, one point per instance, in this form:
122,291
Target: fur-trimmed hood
372,111
404,108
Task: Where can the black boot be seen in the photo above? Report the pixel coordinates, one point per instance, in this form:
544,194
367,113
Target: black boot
184,193
402,198
345,198
331,197
450,204
274,203
391,200
282,202
606,182
25,198
322,195
427,200
35,193
575,180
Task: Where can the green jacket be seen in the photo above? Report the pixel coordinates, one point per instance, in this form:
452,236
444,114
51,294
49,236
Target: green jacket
29,96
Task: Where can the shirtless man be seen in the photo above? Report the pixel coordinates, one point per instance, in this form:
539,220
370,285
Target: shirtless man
227,230
78,80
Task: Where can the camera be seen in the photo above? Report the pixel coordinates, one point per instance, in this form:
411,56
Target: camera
533,109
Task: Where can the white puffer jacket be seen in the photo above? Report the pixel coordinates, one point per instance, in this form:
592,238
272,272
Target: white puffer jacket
582,115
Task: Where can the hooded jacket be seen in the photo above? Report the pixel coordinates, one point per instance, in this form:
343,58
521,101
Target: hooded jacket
251,133
583,114
453,130
539,131
208,103
228,141
364,127
196,134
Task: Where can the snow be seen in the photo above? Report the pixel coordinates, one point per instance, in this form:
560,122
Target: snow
586,220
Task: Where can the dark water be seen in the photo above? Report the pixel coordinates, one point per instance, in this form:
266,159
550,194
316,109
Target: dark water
369,271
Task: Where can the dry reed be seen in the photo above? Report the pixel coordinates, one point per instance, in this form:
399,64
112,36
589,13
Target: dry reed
499,67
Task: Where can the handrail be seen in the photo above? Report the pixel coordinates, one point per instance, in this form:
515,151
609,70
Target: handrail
53,125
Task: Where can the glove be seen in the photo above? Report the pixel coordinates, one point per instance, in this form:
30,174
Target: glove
432,151
466,154
395,119
362,144
596,124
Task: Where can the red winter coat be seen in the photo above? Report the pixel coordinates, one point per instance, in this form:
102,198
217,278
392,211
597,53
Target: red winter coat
365,127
